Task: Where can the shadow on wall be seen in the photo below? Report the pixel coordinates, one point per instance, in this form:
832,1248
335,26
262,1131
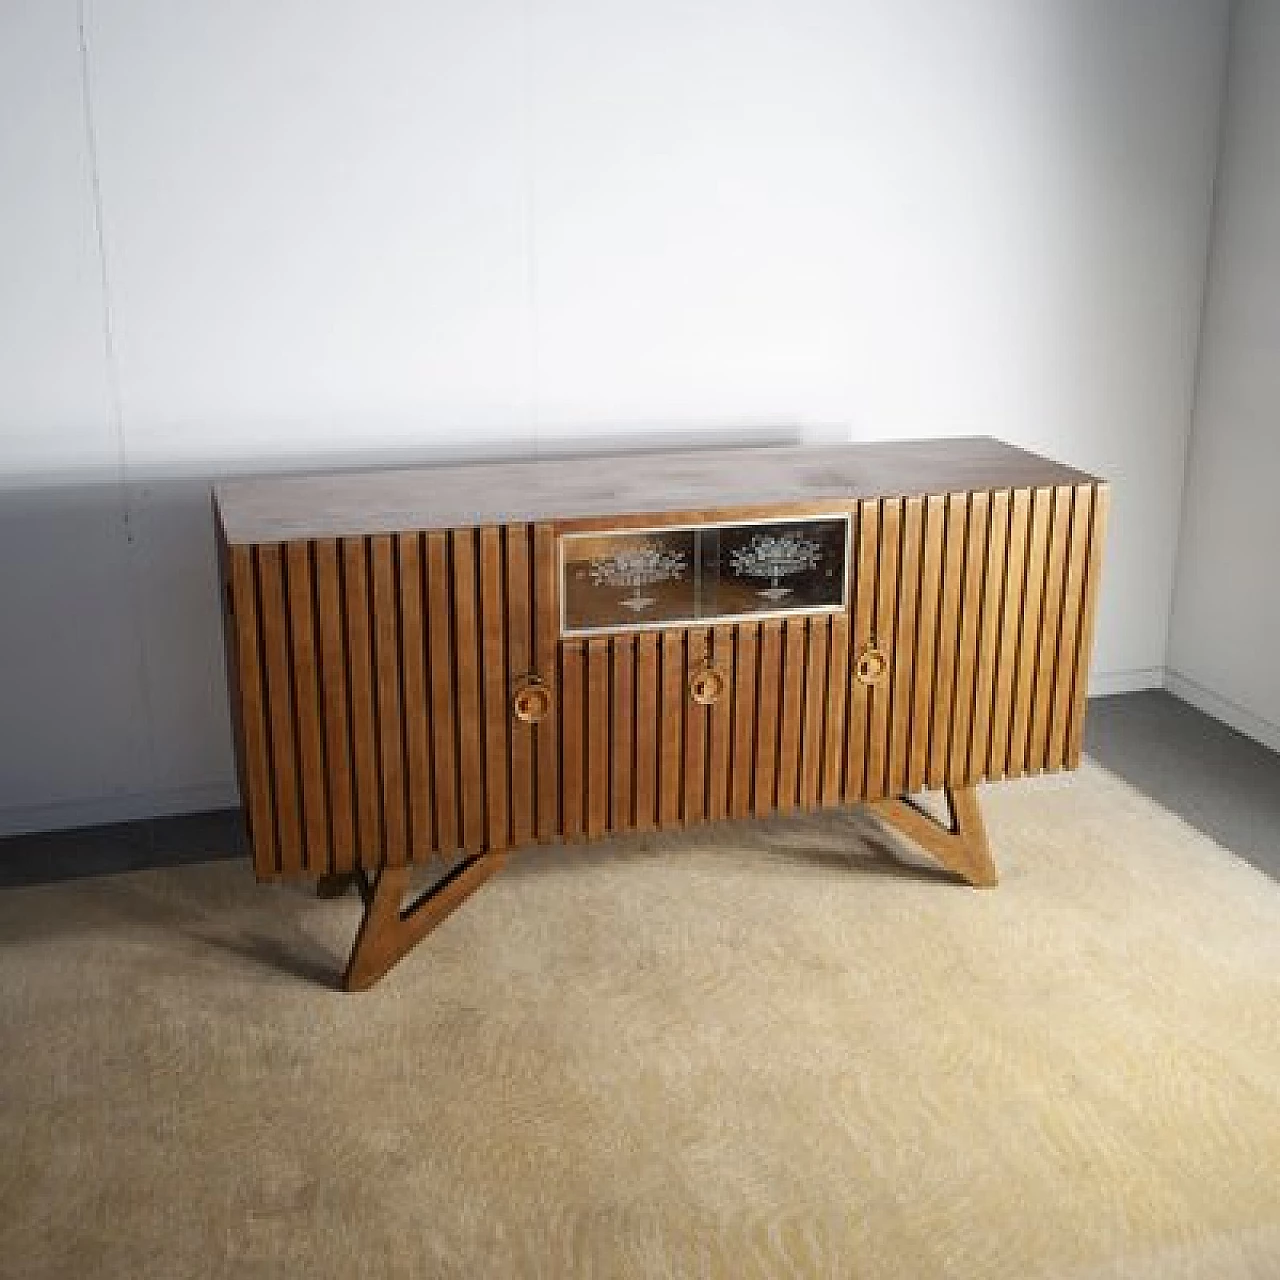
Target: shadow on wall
112,685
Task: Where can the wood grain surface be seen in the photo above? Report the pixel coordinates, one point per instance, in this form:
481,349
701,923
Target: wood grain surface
788,480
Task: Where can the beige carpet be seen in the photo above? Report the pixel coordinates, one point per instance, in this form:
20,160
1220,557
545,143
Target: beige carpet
767,1050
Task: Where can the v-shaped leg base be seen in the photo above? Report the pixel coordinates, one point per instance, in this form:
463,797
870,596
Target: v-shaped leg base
960,847
388,930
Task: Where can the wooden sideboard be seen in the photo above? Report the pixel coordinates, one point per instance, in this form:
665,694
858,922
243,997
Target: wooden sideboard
455,662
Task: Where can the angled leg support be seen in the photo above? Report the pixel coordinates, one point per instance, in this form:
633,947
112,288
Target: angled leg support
389,931
960,846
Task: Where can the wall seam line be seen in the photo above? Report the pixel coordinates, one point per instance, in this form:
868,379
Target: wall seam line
530,226
115,398
1202,318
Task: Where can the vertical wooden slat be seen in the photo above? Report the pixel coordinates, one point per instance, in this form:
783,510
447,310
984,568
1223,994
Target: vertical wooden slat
791,712
694,801
364,741
468,662
1051,617
444,739
519,663
671,728
979,742
833,749
573,781
622,803
275,643
497,714
1069,626
1084,648
953,560
956,768
337,726
926,674
1010,627
597,719
415,708
546,641
1029,630
884,634
253,712
226,590
386,634
306,698
742,765
646,716
768,684
720,727
856,763
904,649
815,702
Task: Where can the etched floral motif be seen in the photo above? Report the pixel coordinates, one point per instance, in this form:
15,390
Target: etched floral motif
635,568
687,575
775,557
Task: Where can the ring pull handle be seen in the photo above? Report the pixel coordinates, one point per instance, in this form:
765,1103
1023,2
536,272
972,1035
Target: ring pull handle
870,665
531,699
706,685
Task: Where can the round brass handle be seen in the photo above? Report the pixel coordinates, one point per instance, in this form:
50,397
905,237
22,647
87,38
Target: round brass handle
530,700
706,684
870,665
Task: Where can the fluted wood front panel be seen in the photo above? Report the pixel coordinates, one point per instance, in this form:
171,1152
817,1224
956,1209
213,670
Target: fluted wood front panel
372,693
984,605
373,678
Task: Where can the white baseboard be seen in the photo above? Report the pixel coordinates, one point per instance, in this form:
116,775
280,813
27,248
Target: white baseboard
1220,708
1102,684
133,807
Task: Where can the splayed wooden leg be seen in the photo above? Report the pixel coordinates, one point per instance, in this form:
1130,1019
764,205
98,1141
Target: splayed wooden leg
960,846
388,931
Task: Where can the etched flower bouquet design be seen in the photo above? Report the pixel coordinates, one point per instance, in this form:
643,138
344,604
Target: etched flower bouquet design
775,557
685,575
636,569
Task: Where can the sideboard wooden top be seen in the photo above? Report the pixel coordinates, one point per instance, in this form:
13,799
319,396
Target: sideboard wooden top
280,508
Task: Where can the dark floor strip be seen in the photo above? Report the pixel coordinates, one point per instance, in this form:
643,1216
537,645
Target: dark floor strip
1224,784
49,856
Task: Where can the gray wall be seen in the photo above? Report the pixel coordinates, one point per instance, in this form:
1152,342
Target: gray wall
335,231
1224,651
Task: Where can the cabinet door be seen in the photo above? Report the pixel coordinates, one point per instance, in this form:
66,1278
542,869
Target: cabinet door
971,627
674,727
372,682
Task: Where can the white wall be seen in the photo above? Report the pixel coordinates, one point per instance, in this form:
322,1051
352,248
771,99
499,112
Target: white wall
427,229
1224,651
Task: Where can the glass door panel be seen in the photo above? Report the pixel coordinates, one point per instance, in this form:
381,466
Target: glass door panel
682,575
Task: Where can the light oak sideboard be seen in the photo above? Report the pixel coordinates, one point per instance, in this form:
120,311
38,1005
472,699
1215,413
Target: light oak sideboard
455,662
